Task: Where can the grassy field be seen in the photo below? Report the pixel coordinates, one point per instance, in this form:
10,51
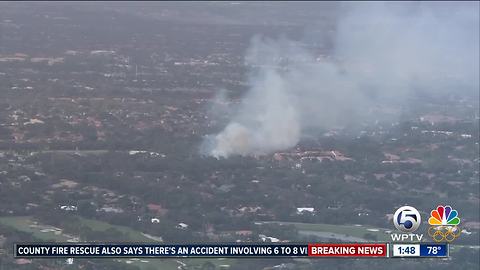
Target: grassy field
131,234
27,225
349,230
149,263
46,233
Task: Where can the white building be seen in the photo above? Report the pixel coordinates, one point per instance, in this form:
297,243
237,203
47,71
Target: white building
303,210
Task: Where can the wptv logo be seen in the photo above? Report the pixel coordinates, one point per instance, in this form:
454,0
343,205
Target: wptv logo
443,223
407,219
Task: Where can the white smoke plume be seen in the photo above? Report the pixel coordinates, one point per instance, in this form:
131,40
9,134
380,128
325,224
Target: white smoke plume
382,54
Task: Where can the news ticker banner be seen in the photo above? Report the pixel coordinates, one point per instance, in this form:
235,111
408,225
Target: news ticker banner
379,250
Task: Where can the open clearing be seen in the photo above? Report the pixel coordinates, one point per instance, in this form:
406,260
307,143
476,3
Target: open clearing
46,233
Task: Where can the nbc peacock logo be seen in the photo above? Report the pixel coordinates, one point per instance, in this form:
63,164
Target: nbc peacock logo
444,223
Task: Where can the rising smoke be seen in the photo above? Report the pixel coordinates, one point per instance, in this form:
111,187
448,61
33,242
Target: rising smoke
382,54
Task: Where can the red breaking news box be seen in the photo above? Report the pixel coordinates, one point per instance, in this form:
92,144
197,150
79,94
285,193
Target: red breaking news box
347,250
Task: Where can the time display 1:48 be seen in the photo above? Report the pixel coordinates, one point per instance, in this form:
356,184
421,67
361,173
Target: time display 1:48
406,250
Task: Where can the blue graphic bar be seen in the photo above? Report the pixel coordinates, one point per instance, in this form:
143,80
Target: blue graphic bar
433,250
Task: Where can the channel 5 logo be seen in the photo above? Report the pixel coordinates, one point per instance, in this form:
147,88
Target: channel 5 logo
407,219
